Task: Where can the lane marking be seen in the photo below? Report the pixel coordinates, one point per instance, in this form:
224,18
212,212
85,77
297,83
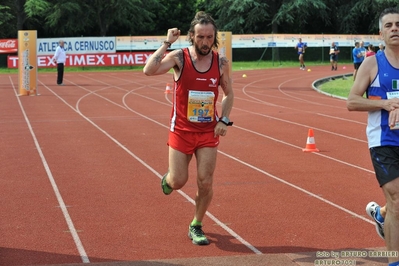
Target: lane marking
285,143
242,162
188,198
67,217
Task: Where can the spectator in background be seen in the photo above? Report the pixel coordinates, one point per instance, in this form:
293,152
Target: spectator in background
362,51
381,48
357,58
334,51
301,46
370,50
60,58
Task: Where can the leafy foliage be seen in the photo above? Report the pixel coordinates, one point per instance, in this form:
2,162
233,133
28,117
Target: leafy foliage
53,18
301,13
5,14
362,16
245,16
174,14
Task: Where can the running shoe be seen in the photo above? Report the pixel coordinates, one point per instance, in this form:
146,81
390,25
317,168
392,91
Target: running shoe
197,236
371,210
166,189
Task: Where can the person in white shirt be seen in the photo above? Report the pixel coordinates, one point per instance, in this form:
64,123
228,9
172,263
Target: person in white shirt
60,58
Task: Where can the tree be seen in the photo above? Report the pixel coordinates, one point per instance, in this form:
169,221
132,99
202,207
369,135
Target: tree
238,16
173,14
361,16
297,16
301,14
131,14
67,18
12,18
89,17
20,14
6,19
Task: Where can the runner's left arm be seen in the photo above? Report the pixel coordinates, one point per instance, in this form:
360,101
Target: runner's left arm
228,94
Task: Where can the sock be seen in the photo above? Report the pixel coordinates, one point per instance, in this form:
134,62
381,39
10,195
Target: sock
378,215
396,263
195,223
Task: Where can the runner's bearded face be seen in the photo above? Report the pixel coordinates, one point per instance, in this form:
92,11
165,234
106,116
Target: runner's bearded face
204,38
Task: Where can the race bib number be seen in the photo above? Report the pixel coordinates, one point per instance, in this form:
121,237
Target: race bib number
332,51
200,106
391,95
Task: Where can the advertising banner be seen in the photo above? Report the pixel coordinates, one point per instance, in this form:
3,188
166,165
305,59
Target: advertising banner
109,45
134,50
131,43
8,46
27,62
80,45
83,60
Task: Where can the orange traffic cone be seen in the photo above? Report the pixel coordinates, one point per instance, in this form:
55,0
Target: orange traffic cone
310,143
168,89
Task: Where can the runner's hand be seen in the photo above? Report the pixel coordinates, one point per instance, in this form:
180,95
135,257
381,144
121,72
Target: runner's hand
220,129
173,35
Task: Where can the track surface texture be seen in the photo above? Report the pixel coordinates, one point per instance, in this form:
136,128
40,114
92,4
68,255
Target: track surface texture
81,166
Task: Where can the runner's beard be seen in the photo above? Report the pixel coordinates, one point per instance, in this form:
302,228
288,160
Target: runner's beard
200,51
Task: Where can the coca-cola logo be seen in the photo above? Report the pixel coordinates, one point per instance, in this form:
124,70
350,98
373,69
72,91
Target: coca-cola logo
8,44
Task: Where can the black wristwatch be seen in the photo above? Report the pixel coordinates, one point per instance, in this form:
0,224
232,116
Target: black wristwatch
226,121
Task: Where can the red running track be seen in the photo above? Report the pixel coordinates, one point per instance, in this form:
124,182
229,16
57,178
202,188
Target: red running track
81,167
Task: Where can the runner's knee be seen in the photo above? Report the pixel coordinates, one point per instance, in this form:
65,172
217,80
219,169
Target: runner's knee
176,182
205,184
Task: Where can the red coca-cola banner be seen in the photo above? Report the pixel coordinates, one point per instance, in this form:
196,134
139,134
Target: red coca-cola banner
8,46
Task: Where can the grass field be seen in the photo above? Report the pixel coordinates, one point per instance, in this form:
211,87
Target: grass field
236,66
339,87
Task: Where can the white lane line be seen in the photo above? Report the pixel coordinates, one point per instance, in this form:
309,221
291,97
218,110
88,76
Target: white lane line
298,188
285,143
57,193
251,166
188,198
210,215
297,147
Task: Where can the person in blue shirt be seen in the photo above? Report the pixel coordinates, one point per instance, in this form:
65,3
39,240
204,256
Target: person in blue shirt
378,80
357,58
301,46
